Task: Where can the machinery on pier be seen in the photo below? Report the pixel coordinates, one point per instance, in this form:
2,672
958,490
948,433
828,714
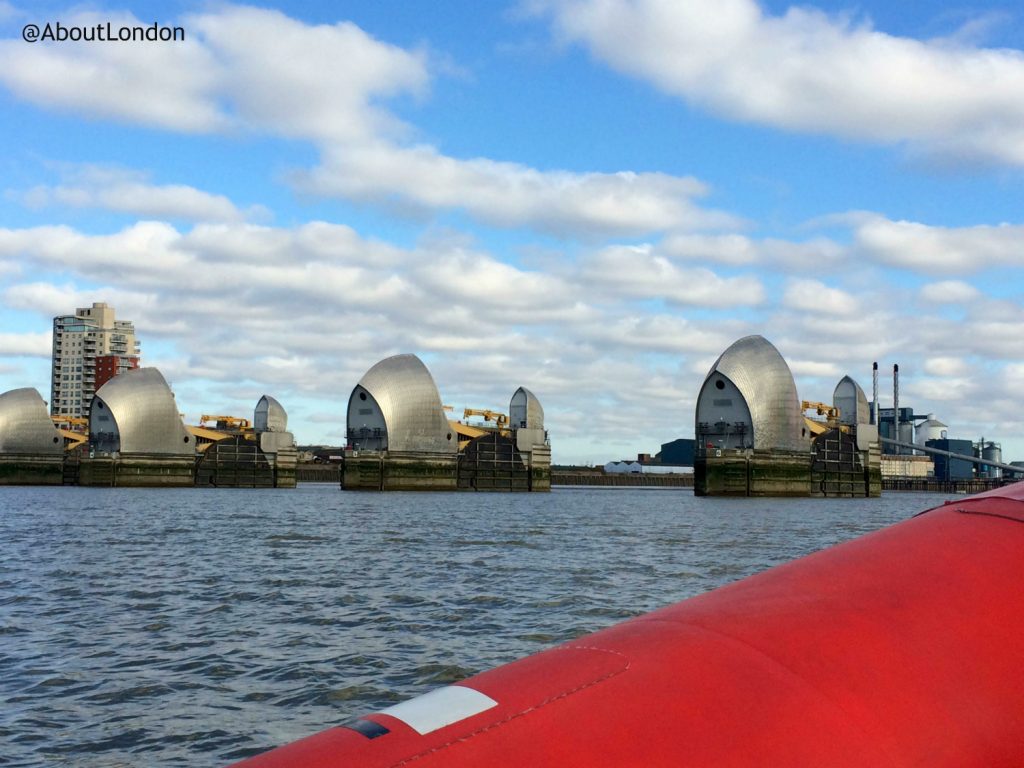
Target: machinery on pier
226,423
817,426
500,419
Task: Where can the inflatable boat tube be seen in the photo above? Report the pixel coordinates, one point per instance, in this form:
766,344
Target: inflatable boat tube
901,648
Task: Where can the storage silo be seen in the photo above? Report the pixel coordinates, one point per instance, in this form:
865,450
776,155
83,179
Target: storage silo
992,452
931,429
906,434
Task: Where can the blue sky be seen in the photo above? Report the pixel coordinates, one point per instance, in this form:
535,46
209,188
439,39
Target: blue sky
591,198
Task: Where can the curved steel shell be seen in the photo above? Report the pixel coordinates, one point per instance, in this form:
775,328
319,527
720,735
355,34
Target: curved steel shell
25,424
411,406
764,380
145,414
851,401
270,416
525,410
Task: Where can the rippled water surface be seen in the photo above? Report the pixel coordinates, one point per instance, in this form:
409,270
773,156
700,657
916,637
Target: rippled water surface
197,627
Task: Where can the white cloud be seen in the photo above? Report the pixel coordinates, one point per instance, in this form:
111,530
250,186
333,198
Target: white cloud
999,339
814,296
217,279
946,392
667,334
238,68
26,344
463,276
168,85
946,366
508,194
950,292
807,71
50,299
814,368
929,249
249,69
639,273
125,191
1015,376
316,82
815,255
143,251
730,249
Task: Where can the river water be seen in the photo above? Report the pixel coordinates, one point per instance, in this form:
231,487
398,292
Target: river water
197,627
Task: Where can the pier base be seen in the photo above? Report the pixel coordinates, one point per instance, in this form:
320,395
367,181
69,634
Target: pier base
27,469
393,471
138,471
835,467
494,465
752,473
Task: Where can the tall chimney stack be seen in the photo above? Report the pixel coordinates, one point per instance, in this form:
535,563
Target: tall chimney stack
896,404
874,393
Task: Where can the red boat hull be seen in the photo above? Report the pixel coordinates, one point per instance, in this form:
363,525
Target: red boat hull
901,648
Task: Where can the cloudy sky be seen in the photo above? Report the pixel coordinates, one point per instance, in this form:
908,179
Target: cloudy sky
591,198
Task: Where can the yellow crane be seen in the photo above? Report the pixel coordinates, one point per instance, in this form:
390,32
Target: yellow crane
830,412
500,419
226,422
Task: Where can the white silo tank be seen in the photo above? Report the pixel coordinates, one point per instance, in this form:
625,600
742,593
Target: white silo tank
931,429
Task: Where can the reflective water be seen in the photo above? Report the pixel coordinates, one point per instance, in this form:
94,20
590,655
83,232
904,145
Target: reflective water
197,627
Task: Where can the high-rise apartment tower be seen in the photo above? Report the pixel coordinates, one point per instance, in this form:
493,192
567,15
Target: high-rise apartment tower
89,347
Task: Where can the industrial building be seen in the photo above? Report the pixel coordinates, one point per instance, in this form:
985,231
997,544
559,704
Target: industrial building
754,440
89,348
399,437
948,468
678,453
919,445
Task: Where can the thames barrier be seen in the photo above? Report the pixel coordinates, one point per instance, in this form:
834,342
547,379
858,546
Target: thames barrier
752,438
137,438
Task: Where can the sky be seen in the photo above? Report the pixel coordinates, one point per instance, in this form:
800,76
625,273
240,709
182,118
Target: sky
589,198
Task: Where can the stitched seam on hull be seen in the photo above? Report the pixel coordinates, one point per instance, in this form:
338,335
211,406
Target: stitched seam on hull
976,500
528,710
985,513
